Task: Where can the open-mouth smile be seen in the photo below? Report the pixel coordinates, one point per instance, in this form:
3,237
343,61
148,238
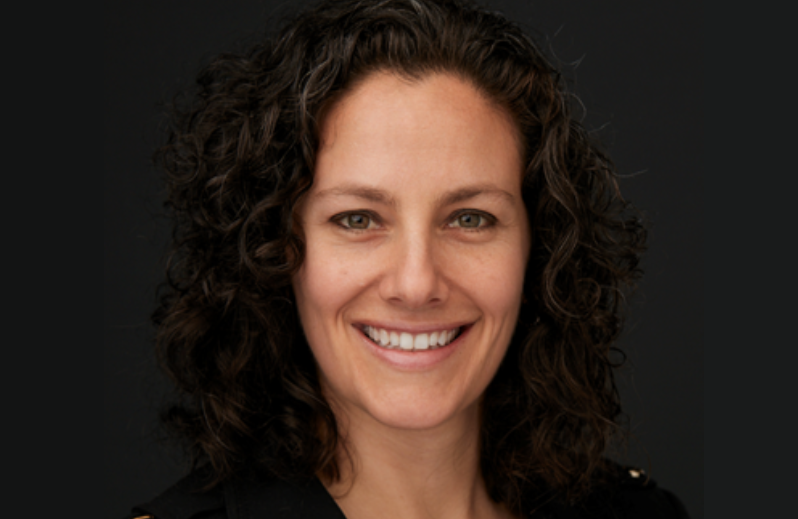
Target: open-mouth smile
398,340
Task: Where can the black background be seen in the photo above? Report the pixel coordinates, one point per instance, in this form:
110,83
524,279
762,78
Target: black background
637,67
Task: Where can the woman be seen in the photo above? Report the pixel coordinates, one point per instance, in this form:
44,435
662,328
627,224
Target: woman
397,277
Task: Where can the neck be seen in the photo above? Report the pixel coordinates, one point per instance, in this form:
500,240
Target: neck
410,473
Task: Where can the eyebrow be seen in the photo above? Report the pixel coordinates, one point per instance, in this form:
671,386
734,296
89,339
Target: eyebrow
382,197
467,193
366,193
377,195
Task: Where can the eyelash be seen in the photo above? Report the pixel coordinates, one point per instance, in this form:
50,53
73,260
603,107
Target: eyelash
340,218
487,220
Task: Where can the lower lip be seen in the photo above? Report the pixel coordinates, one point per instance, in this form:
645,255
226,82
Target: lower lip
415,360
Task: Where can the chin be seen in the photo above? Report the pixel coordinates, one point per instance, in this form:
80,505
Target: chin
408,414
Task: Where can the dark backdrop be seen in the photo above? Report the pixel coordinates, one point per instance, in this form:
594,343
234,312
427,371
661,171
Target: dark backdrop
637,66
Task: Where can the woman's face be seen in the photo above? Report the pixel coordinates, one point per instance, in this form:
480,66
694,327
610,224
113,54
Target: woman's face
416,233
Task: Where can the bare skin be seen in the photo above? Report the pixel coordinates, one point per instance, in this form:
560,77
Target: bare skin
432,474
415,228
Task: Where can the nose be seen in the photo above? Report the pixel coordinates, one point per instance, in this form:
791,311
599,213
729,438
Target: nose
413,276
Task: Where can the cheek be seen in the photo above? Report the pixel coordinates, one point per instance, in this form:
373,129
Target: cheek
495,280
326,285
315,302
327,281
314,285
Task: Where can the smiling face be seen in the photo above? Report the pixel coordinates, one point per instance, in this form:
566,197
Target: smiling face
417,239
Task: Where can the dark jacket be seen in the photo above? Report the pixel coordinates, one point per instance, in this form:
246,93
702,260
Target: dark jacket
257,496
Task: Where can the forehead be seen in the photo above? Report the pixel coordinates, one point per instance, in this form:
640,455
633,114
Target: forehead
437,125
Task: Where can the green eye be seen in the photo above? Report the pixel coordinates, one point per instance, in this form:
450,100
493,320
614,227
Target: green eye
469,221
356,221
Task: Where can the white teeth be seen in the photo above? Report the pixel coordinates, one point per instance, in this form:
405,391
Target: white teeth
410,342
406,341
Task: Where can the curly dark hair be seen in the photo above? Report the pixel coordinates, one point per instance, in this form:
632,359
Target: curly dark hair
240,156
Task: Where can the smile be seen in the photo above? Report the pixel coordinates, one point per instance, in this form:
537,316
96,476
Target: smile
411,342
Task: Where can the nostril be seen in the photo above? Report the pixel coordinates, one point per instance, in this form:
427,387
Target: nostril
412,278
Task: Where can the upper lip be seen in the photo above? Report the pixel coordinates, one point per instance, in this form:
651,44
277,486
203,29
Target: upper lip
413,329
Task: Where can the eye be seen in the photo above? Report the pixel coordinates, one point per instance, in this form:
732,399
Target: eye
471,220
355,221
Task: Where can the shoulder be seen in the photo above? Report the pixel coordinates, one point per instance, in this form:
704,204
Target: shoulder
639,496
186,499
631,494
253,494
